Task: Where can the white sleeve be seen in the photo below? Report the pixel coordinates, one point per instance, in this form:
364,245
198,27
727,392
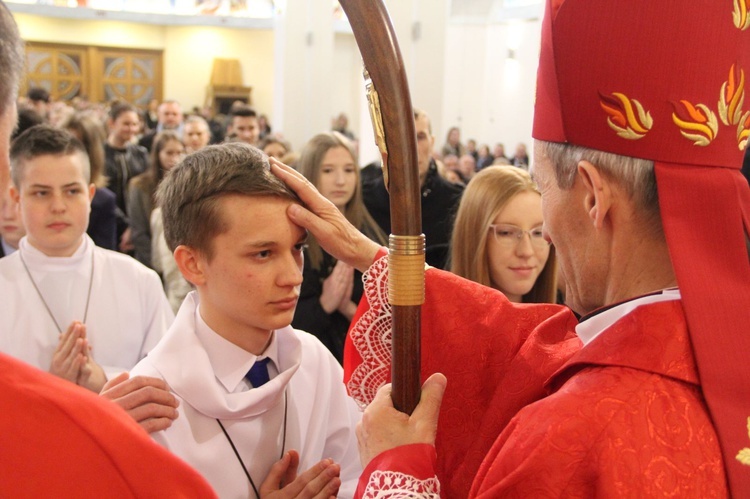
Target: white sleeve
159,315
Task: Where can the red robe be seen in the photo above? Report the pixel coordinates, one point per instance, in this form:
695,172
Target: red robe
59,440
543,417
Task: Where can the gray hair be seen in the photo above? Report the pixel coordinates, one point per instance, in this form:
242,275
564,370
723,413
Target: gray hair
194,118
635,176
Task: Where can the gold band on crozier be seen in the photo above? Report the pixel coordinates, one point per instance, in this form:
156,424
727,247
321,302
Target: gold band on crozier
406,270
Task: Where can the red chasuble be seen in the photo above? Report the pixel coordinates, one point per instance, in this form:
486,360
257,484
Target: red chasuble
529,413
60,440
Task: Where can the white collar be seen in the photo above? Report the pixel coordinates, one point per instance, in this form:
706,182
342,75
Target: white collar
229,361
38,261
595,325
183,362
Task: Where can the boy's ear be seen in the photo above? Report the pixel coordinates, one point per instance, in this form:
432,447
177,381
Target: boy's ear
92,191
190,262
15,194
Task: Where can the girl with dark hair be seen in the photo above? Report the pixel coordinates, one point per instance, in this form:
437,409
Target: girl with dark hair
167,151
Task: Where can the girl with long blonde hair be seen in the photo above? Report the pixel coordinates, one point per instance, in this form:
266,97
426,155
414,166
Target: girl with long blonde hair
498,239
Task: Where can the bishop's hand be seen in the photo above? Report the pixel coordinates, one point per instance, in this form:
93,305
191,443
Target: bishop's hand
383,427
329,226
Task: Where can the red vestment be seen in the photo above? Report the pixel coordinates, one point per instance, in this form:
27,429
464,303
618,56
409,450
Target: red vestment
60,440
623,417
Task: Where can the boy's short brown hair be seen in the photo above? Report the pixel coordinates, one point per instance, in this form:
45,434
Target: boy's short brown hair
41,140
190,192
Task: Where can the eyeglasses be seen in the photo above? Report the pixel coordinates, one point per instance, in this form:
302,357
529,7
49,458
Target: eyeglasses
510,235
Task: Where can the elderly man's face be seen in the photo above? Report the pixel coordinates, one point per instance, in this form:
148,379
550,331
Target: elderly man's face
567,225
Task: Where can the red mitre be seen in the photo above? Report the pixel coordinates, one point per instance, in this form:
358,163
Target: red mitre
665,80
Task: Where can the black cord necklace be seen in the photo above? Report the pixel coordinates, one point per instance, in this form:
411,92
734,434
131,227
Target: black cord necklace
44,302
239,458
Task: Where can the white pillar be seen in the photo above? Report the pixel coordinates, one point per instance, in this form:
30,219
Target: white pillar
303,62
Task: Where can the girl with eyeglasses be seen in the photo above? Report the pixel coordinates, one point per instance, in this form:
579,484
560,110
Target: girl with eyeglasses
498,241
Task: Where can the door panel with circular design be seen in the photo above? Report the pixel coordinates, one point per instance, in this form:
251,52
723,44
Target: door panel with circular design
100,74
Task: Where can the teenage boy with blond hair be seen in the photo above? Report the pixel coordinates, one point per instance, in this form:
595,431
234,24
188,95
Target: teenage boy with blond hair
81,312
250,387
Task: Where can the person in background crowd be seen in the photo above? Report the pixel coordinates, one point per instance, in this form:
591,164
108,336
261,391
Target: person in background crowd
103,218
439,198
484,158
170,118
341,124
454,177
243,125
498,152
275,147
471,148
27,117
521,157
168,150
264,126
453,145
467,165
196,133
123,160
39,100
151,115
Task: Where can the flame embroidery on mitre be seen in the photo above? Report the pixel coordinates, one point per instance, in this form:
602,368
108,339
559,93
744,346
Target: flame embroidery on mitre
741,16
732,97
743,456
700,126
622,118
743,131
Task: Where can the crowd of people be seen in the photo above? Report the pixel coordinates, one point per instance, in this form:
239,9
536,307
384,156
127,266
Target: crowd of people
226,292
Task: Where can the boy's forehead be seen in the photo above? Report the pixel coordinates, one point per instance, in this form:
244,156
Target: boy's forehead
52,168
264,213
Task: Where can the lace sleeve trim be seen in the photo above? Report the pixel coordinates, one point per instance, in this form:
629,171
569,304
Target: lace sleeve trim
371,336
394,485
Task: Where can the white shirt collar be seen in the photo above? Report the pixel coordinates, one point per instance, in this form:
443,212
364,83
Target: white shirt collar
595,325
230,362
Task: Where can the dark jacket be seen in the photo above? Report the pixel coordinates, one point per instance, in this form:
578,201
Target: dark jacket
330,329
103,219
440,200
120,165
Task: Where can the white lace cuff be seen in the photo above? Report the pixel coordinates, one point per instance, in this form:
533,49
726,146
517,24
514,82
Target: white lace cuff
371,336
394,485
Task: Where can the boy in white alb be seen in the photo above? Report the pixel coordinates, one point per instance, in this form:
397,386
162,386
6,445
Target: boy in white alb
78,311
258,399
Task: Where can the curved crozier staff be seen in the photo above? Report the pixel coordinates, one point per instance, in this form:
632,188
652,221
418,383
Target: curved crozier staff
393,121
